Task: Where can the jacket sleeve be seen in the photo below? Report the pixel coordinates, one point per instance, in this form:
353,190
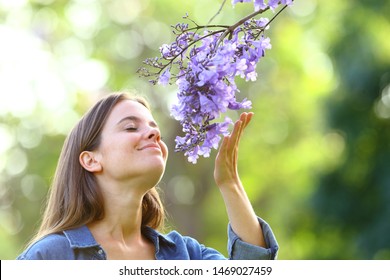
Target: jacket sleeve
240,250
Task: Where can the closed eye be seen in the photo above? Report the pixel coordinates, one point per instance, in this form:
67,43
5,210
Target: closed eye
131,128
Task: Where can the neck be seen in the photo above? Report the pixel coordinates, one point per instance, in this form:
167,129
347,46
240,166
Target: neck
122,212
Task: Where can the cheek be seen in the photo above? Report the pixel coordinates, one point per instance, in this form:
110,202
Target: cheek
117,148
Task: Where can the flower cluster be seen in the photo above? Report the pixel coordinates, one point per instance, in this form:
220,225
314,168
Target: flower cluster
204,61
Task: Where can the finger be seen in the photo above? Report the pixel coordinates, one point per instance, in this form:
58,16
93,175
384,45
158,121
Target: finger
248,118
235,135
224,145
244,119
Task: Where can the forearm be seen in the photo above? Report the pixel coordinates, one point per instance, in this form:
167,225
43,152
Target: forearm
242,217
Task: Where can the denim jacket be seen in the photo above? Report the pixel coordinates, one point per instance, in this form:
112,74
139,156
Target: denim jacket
79,244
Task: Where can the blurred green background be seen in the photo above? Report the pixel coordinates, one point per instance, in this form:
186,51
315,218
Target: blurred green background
315,160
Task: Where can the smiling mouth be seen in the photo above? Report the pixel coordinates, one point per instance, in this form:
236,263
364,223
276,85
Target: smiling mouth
150,146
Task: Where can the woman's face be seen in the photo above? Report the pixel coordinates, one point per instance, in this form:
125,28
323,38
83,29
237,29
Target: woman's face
131,145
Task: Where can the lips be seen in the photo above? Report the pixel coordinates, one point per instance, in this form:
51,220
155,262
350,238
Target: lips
150,146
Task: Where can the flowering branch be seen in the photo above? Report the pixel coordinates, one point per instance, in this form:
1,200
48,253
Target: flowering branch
204,64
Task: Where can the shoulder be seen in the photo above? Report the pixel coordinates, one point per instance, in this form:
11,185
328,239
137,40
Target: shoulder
177,238
194,249
51,247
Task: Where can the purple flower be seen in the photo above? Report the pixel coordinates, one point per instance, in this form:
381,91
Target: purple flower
207,76
207,89
164,77
245,104
273,4
165,50
260,5
262,22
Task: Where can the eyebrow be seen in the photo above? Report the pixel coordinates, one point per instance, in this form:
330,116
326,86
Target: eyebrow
136,119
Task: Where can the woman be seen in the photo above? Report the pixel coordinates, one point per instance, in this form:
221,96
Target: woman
103,202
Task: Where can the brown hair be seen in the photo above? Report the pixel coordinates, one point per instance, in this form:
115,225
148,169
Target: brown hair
75,198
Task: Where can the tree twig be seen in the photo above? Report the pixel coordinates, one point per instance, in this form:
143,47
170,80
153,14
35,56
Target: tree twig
218,12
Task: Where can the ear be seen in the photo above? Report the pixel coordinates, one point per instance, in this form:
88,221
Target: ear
89,162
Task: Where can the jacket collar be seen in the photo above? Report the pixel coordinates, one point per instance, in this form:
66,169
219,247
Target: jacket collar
80,237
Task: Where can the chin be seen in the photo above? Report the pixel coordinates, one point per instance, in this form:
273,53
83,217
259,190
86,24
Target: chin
155,171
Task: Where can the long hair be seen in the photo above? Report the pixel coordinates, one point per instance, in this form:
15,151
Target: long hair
74,198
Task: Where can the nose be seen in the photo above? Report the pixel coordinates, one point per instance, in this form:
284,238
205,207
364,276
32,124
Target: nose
154,133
